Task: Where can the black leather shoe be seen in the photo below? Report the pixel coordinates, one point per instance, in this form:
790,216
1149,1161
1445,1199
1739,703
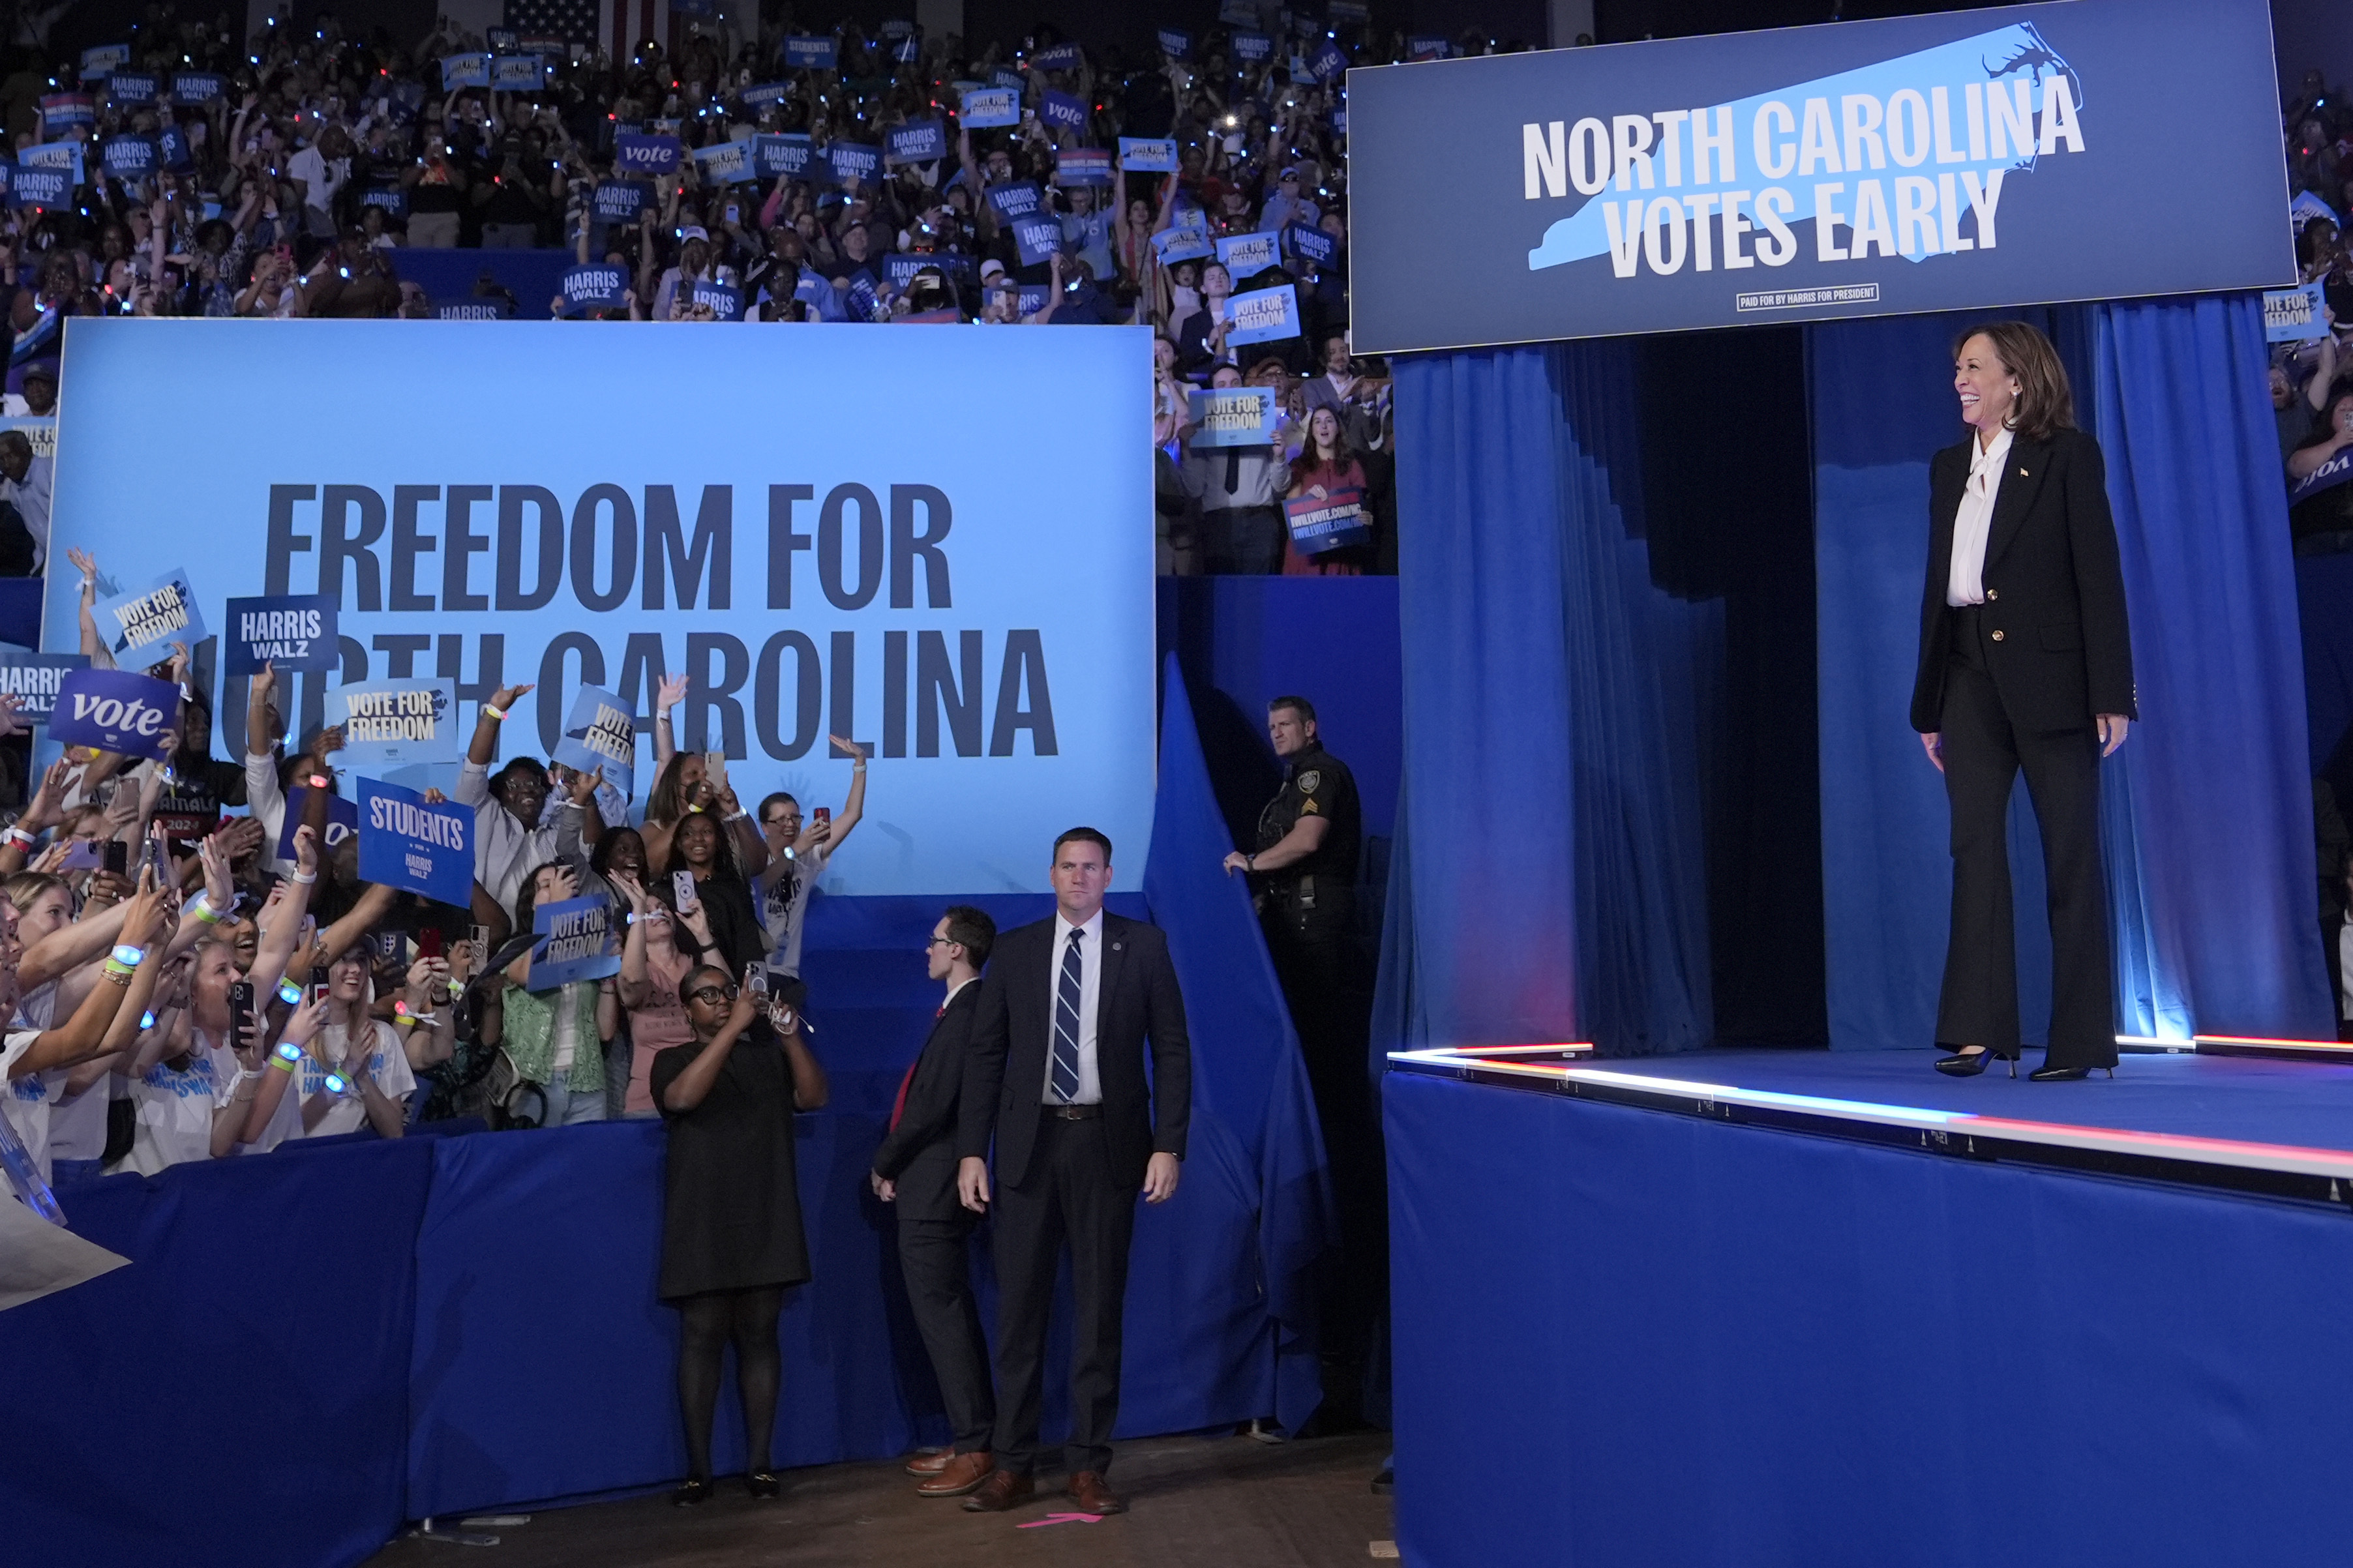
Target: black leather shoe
762,1483
2063,1074
693,1490
1968,1063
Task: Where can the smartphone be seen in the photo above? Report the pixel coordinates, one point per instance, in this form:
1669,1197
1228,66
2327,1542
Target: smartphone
240,1012
118,857
713,762
822,817
81,855
757,979
318,982
681,886
428,942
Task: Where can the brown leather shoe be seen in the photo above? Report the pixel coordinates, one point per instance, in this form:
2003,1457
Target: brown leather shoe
962,1473
930,1464
999,1492
1091,1496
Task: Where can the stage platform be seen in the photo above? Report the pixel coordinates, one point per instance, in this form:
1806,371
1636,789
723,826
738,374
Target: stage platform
1809,1309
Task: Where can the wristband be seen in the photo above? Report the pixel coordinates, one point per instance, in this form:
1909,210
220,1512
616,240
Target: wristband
201,907
318,780
250,1075
491,712
302,880
127,955
1249,863
337,1084
738,817
788,853
18,835
284,1057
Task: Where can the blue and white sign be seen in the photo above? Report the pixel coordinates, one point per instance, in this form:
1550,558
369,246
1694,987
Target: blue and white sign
578,939
781,156
759,95
1312,243
1428,46
342,820
145,620
1175,42
33,679
64,156
464,71
1262,315
1962,161
45,188
900,268
397,723
1032,298
985,107
1253,49
1083,166
725,300
601,732
1006,76
636,152
61,111
132,87
1176,245
1233,416
1328,63
844,581
178,157
1062,111
618,201
287,631
518,73
725,164
1148,154
802,54
1015,198
917,142
593,286
129,157
1247,255
854,162
390,200
2295,315
1037,239
1060,58
103,60
415,845
115,711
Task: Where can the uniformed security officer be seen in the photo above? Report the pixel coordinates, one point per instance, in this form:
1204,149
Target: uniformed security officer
1303,879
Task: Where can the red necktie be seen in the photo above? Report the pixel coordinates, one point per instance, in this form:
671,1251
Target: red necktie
899,1106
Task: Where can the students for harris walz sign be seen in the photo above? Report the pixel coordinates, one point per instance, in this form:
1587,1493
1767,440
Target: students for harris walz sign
808,54
163,612
415,845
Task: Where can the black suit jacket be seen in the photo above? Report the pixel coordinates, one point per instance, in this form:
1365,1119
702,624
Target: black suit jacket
2054,592
1137,1001
920,1153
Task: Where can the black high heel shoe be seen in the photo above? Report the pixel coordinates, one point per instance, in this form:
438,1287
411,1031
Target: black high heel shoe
762,1483
1968,1063
692,1490
2063,1074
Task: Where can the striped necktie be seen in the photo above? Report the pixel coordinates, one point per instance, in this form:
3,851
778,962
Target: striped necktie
1066,1023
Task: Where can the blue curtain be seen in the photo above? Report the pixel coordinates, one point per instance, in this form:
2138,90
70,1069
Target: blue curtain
2209,865
1548,878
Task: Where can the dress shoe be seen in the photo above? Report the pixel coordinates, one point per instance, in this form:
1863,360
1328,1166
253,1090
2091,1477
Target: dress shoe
999,1492
930,1464
762,1483
2063,1074
692,1490
1089,1494
1968,1063
962,1473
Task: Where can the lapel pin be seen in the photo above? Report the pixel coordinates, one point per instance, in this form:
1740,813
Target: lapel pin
1115,947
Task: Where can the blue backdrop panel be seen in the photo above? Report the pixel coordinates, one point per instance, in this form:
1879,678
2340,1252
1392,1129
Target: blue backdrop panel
2324,590
2209,819
1759,1354
449,277
224,1399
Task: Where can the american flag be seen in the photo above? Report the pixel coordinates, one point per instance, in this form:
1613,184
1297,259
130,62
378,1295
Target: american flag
616,27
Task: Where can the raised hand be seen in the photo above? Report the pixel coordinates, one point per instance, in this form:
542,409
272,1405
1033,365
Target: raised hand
9,723
669,693
306,852
582,787
506,696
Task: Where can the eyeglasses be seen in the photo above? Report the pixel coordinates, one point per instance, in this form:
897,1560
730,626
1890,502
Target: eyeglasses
941,942
712,994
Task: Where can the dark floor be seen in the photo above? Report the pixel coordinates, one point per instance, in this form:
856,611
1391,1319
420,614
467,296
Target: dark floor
1195,1503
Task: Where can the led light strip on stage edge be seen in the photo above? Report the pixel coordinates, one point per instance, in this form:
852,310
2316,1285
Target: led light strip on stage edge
2283,1050
2279,1170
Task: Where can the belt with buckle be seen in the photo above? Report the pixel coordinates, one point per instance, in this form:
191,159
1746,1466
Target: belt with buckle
1061,1112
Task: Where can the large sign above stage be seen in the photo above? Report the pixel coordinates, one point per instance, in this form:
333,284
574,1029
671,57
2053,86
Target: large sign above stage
967,592
2086,150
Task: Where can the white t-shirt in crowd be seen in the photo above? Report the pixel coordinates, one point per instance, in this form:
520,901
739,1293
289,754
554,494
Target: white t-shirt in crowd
388,1065
784,890
175,1108
25,1100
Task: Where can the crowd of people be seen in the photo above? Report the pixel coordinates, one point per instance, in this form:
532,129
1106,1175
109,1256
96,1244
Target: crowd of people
299,170
2312,379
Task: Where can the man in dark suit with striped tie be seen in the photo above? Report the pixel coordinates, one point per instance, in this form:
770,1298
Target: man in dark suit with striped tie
1057,1073
915,1168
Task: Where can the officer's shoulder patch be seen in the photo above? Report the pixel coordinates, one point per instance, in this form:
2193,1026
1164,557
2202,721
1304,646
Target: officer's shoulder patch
1310,780
1308,810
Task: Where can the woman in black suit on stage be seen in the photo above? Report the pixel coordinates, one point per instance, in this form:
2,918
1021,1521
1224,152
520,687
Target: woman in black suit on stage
2025,662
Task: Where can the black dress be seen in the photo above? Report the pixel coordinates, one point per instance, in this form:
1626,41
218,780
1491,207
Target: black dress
732,1207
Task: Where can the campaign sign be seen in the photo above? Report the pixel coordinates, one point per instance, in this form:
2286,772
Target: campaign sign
29,187
854,161
725,301
600,731
289,631
132,87
115,711
163,612
1239,13
989,106
593,286
1083,166
1247,255
1321,521
198,86
1037,239
129,157
63,156
518,73
1148,154
33,679
761,94
1059,109
1233,416
783,156
1176,245
1006,76
917,142
415,845
578,939
1328,63
1262,315
616,201
899,269
99,63
1967,160
1175,42
464,71
2293,315
41,431
1032,298
725,164
1428,46
808,54
1015,199
906,51
635,153
474,307
1060,58
1252,48
391,200
503,40
343,819
1347,13
2305,207
397,723
1312,243
63,111
177,157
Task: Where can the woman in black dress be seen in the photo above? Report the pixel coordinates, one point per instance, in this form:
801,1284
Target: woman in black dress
732,1237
